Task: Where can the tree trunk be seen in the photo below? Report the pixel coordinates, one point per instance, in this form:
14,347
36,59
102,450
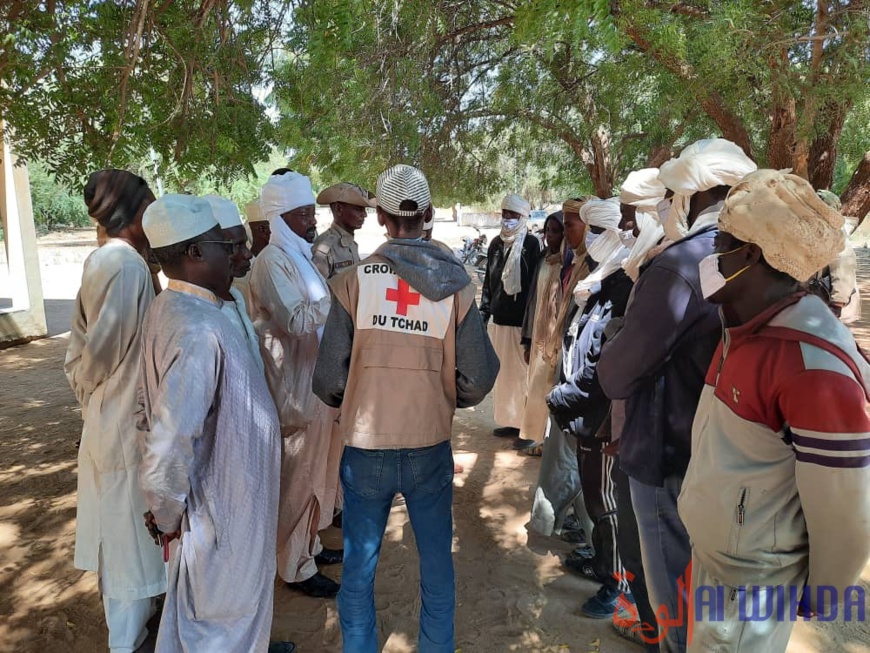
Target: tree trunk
601,170
823,153
856,197
659,155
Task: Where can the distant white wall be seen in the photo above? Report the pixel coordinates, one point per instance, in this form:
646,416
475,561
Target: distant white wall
25,319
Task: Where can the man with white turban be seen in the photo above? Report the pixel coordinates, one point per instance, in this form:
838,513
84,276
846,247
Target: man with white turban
639,198
579,406
512,259
234,305
289,305
659,358
775,496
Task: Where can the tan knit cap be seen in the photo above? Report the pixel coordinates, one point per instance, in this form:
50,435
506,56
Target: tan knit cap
797,232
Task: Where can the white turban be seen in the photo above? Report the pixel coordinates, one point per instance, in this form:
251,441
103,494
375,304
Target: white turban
225,211
283,193
602,213
516,204
173,219
706,164
642,189
701,166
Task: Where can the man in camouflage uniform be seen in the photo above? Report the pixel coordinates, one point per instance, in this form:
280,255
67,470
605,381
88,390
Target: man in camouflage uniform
335,249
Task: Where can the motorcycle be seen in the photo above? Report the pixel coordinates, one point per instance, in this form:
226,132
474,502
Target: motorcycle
473,253
472,247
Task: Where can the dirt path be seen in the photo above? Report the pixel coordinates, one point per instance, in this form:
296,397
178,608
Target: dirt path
511,597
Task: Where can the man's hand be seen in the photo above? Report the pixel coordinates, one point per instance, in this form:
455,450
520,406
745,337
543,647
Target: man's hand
157,535
527,353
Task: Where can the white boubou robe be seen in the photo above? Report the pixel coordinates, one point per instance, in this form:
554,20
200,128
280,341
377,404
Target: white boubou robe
102,365
287,314
211,452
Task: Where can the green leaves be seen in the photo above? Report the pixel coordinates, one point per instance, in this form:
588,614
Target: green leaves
99,83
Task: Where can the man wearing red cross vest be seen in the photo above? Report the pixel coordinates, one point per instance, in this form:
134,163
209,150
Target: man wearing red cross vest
404,346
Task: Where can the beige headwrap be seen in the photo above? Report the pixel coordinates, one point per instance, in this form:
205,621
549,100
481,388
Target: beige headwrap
573,205
703,165
797,232
579,271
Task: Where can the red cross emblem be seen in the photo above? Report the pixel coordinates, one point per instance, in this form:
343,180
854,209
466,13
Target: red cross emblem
404,297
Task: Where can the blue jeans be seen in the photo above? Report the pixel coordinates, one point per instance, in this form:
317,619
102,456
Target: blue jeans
370,479
665,549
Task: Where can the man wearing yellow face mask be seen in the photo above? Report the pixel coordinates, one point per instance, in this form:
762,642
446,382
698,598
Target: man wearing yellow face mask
781,434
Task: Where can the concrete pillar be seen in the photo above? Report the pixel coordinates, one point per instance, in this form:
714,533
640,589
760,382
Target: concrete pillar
25,320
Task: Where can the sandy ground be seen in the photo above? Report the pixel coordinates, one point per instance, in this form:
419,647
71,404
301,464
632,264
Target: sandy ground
511,593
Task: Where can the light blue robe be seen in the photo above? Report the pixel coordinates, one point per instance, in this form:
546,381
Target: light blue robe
211,453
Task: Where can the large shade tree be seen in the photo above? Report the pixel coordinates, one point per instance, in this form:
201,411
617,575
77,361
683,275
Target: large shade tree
85,83
618,84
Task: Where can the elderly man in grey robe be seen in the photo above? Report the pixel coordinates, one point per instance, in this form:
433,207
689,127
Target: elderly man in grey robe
289,304
210,444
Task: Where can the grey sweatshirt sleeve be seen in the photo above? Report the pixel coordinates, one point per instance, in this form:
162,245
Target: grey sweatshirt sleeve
476,362
333,358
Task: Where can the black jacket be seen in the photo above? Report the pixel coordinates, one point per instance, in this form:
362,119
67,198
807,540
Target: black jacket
659,358
578,404
505,309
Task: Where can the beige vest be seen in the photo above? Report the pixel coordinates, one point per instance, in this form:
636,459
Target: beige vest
401,387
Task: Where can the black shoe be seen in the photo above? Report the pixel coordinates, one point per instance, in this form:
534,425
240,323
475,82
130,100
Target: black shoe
318,587
574,537
506,432
571,523
521,444
281,647
330,557
584,552
583,567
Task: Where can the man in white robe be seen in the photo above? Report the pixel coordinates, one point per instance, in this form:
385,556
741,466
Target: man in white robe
210,444
289,305
102,365
512,259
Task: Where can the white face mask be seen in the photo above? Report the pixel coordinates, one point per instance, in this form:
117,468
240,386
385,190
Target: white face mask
590,239
510,223
605,246
628,238
712,279
663,211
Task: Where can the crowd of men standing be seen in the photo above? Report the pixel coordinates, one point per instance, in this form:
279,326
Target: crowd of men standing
694,406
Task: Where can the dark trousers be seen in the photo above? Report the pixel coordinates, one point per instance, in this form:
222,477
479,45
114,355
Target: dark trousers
600,496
